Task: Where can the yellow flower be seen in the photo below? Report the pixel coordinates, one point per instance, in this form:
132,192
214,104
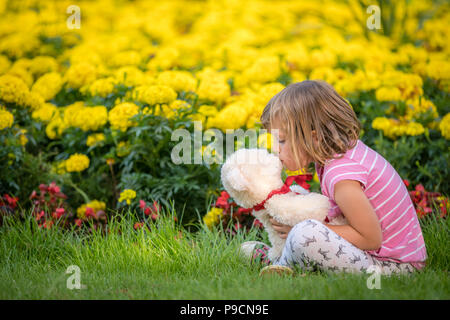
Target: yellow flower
80,74
18,44
213,217
264,69
171,110
59,167
22,137
232,116
46,112
131,76
265,140
126,58
86,118
48,85
54,128
164,59
21,72
204,112
127,195
95,205
444,126
418,107
264,94
77,163
438,70
213,86
156,94
388,94
296,172
123,149
43,64
394,128
33,100
4,64
94,138
316,177
119,116
177,80
13,90
6,119
101,87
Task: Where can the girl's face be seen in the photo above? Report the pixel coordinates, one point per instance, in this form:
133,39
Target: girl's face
284,151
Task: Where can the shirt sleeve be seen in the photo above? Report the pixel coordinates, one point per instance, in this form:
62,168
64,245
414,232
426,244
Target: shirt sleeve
348,170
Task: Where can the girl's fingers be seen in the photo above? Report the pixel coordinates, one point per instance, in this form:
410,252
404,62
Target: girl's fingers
281,229
274,222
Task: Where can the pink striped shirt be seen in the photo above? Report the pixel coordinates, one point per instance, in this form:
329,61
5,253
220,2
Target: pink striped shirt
386,191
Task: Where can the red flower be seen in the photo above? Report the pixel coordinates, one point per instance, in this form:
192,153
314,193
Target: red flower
156,207
78,222
420,188
60,195
222,201
244,211
59,212
154,216
33,195
89,212
48,224
43,188
53,188
11,201
40,215
257,223
406,182
138,225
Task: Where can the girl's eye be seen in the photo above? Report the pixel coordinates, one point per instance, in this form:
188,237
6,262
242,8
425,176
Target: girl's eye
281,141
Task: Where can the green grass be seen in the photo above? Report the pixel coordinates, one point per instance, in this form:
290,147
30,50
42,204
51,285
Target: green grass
154,265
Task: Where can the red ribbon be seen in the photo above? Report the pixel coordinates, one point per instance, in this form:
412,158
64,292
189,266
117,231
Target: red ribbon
285,188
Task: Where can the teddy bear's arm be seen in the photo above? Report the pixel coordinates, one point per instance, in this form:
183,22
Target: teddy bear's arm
291,208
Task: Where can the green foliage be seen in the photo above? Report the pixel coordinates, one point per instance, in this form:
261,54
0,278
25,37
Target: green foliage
149,169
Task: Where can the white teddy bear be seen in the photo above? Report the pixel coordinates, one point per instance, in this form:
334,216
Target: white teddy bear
252,177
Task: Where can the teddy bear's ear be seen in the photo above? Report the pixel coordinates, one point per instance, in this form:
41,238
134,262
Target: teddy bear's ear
237,180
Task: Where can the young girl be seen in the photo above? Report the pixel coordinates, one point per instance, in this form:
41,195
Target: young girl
315,124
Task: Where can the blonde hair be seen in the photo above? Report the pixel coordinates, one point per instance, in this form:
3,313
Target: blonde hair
311,105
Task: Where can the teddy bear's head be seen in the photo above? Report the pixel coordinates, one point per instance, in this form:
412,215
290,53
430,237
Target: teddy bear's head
249,175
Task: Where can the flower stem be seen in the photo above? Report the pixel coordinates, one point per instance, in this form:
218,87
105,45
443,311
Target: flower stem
83,194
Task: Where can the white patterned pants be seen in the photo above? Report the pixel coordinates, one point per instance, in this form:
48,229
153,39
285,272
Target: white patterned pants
311,245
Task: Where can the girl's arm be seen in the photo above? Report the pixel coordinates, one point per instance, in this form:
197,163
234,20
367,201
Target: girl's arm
364,229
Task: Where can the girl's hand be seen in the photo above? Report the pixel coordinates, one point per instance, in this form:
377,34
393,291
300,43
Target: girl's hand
281,229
